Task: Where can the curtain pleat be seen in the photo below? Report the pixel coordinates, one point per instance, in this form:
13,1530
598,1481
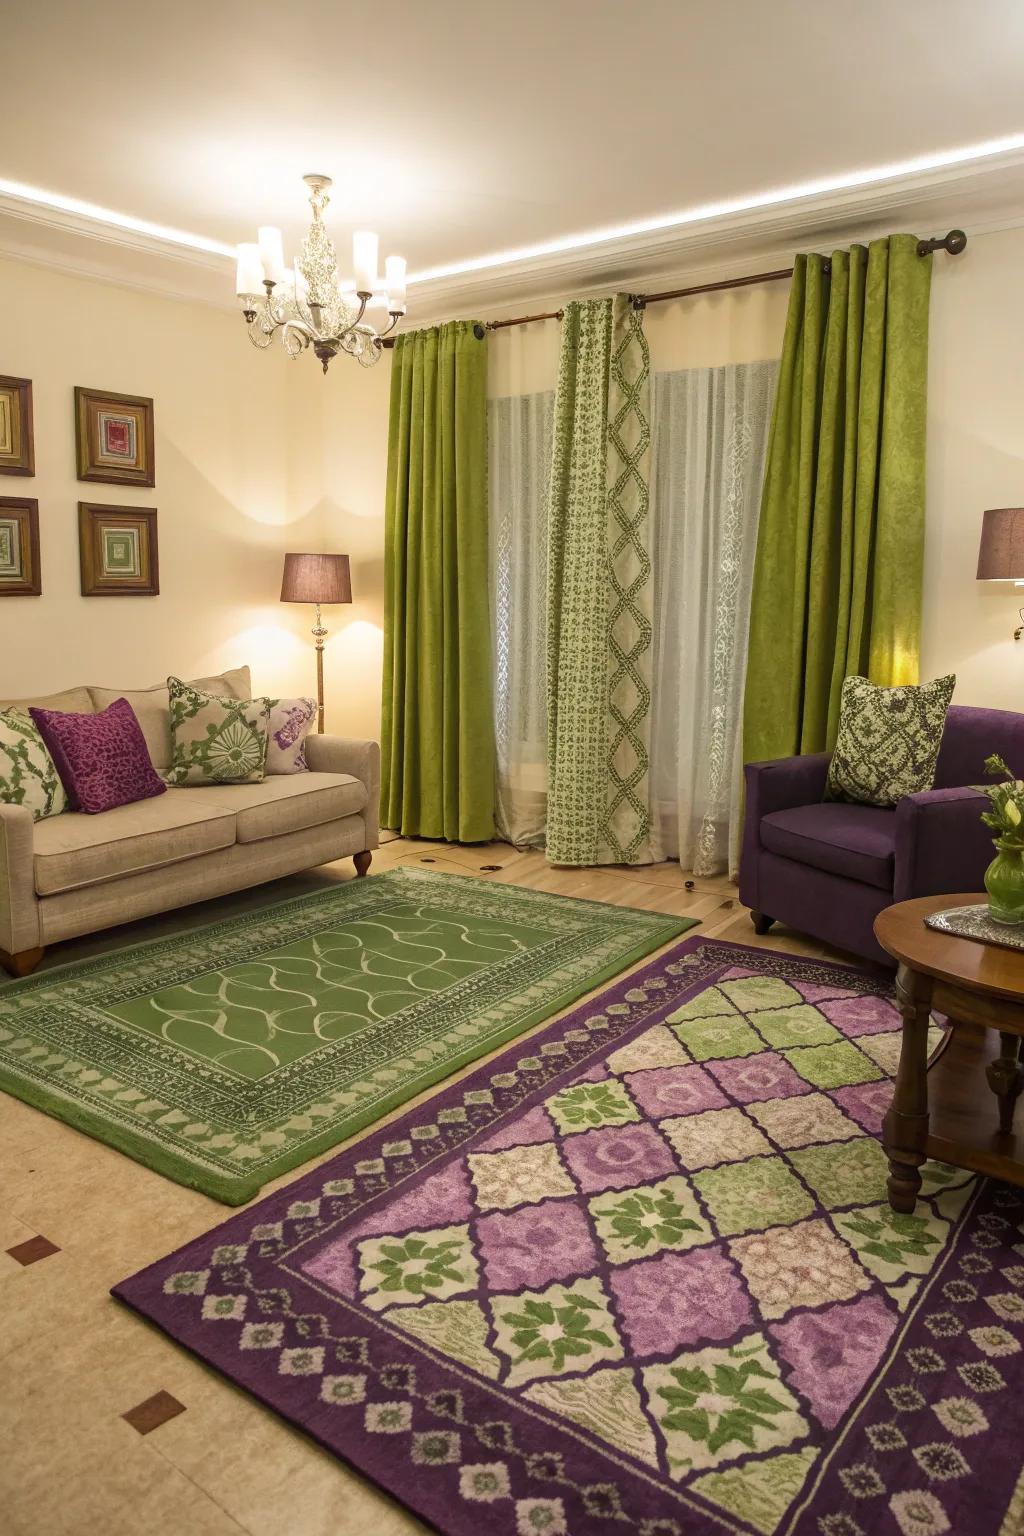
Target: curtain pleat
838,571
437,729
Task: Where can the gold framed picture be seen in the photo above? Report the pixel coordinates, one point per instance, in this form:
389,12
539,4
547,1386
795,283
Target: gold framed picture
118,549
19,547
17,448
114,437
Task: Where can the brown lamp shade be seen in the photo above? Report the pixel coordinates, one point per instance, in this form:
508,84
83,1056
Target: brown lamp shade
1001,556
316,579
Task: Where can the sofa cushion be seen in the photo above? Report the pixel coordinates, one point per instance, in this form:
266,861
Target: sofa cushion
857,842
889,739
102,759
75,701
285,802
216,739
76,850
152,706
28,774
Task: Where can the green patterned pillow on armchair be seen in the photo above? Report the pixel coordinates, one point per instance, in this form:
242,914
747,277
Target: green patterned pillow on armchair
27,773
215,740
889,739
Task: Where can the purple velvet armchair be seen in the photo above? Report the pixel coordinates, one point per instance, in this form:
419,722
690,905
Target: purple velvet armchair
827,868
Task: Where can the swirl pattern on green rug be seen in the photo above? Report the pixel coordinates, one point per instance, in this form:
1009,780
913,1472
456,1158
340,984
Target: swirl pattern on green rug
229,1054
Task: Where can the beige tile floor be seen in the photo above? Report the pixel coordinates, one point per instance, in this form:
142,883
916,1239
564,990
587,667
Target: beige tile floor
72,1360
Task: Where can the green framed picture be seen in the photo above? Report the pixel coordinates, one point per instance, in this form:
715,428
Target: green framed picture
118,548
19,547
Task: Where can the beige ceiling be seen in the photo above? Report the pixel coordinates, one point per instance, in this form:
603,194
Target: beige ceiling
460,129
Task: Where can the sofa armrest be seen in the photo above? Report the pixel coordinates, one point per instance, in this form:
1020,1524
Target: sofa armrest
19,905
340,754
942,844
785,783
779,785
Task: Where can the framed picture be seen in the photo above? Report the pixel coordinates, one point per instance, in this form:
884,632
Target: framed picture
17,453
118,551
114,437
19,547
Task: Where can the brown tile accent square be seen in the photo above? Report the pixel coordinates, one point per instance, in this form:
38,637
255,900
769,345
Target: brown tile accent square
156,1410
32,1250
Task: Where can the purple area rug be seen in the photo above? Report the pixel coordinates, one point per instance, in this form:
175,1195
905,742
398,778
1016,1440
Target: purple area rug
639,1274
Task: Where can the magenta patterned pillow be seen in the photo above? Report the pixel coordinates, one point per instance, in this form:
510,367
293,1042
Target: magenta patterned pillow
102,759
291,721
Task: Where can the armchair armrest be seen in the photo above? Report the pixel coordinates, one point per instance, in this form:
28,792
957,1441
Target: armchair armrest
339,754
785,783
941,843
19,905
779,785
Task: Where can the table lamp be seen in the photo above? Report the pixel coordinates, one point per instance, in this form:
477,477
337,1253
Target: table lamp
1001,556
317,579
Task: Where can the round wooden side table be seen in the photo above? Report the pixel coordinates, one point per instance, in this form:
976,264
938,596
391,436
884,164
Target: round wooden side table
946,1110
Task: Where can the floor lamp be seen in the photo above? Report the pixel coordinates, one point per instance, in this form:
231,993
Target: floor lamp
317,579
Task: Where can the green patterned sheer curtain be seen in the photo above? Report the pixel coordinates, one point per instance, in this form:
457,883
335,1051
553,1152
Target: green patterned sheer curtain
437,729
599,591
838,572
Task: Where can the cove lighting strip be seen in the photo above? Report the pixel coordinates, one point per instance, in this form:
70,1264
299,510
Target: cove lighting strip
704,212
74,205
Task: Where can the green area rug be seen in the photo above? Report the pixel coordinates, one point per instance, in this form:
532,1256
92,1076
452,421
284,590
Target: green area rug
226,1055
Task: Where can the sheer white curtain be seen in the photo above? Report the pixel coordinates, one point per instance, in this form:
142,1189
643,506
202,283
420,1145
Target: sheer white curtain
519,429
710,437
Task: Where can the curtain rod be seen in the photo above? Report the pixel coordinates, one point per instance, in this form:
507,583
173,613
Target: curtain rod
953,243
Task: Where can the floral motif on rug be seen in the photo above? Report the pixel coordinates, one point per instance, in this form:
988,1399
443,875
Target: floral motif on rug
642,1275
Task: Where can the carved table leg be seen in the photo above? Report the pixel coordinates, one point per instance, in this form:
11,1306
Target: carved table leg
905,1130
1006,1078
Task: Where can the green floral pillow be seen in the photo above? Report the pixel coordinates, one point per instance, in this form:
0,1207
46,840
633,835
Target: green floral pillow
215,740
27,773
888,741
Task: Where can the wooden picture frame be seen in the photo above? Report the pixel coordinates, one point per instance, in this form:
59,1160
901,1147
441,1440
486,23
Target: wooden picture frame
118,551
20,571
17,439
114,437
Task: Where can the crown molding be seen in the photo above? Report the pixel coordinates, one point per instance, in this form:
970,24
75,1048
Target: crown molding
980,195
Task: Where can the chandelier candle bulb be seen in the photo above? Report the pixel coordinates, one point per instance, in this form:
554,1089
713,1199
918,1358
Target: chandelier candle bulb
394,283
249,277
271,249
364,260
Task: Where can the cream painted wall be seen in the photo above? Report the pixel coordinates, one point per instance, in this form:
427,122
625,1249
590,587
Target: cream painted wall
975,460
231,441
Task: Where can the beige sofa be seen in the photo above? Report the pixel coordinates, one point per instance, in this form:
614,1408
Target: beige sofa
73,874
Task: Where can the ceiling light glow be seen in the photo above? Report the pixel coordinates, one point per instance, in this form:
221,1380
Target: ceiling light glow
706,211
61,204
848,181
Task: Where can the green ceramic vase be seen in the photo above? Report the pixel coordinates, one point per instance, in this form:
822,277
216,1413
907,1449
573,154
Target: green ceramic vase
1004,881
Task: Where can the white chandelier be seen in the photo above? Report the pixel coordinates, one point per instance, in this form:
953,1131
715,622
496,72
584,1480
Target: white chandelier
309,304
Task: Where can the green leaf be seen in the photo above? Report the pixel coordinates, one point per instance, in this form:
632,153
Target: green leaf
693,1379
689,1421
734,1425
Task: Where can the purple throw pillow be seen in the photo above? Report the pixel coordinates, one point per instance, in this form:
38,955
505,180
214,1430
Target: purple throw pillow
102,759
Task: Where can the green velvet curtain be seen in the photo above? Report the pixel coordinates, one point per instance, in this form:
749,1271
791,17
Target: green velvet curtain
837,579
437,732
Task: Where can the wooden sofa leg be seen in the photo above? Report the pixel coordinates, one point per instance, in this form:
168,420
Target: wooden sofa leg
761,921
23,963
362,861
